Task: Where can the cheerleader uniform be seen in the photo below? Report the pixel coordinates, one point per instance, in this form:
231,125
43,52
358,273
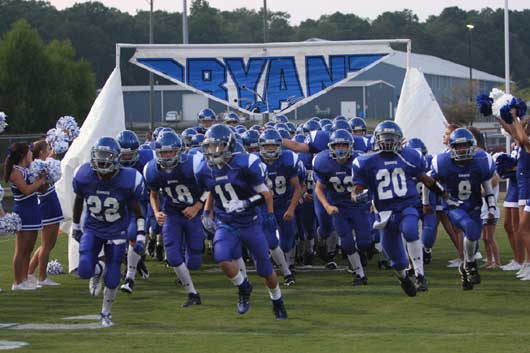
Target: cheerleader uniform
50,207
26,206
511,199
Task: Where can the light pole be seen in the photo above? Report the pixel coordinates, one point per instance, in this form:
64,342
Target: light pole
185,33
470,27
265,22
151,76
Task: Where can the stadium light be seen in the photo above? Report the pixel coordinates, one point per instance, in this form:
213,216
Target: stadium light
185,32
470,27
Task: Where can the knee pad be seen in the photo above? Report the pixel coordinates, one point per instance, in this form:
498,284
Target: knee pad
409,227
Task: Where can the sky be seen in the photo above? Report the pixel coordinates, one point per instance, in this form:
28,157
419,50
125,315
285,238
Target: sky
299,9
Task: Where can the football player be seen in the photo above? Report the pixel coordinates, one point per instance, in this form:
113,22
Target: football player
111,193
237,187
207,118
179,212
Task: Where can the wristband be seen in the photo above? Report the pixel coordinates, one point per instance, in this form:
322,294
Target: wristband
76,226
140,225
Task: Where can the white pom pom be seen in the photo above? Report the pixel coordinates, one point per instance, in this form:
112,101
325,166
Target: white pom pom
36,169
500,99
10,223
60,147
53,167
3,122
69,126
55,268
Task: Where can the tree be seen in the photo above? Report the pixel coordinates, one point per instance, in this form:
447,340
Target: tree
39,83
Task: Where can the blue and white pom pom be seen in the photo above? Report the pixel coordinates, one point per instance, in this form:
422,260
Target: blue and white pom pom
484,104
3,122
500,99
69,126
60,147
57,140
36,169
53,167
10,223
54,268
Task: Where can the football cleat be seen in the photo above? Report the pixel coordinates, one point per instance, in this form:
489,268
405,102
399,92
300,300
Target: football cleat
466,283
408,286
244,300
472,271
427,256
359,281
159,252
95,285
278,308
308,259
106,320
332,265
383,265
128,286
193,299
151,245
289,280
142,269
421,284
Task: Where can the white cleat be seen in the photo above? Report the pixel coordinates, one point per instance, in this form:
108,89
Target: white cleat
22,286
512,266
106,320
32,284
48,282
95,285
454,263
523,270
478,256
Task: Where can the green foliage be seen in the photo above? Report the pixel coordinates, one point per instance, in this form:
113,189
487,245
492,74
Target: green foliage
39,82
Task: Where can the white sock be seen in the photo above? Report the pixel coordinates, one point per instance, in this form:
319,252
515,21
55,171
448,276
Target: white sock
108,299
310,245
132,261
159,240
279,258
275,293
415,250
242,266
469,249
238,279
290,256
184,275
355,261
331,242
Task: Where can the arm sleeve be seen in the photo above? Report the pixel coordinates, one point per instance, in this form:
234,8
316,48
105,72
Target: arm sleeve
358,175
77,186
255,171
139,187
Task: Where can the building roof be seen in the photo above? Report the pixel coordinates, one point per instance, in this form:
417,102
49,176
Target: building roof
362,83
433,65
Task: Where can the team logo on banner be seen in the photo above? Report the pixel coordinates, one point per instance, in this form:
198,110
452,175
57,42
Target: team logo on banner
257,79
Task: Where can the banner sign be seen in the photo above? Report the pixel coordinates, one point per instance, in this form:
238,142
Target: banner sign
262,78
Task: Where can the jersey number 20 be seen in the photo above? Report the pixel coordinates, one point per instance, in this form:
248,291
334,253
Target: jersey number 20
398,180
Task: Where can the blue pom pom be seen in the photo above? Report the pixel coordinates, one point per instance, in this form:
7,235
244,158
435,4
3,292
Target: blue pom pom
505,165
484,104
506,114
520,105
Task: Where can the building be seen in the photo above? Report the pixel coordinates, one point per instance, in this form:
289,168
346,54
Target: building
373,94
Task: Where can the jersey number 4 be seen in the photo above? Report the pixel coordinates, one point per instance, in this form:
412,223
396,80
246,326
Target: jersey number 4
107,209
398,180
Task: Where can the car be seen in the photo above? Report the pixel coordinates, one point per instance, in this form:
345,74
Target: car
172,116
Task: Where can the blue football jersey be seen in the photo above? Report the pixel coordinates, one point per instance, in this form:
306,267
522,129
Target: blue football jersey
317,141
336,177
523,162
107,201
307,160
144,156
464,181
278,174
391,177
235,181
178,188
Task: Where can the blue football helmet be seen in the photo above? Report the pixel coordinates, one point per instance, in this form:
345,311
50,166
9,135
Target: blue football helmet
328,128
207,114
197,140
284,134
299,138
340,137
300,130
270,137
255,127
281,126
315,118
168,148
241,130
145,146
281,119
105,156
388,137
219,145
311,125
341,125
339,117
291,128
462,144
187,135
129,144
156,132
166,129
325,122
269,125
358,125
231,118
251,140
417,144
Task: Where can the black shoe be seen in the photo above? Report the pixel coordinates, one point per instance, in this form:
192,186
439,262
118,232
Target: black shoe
359,281
142,269
383,265
289,280
193,299
244,300
421,284
408,286
159,252
427,256
278,308
332,265
464,276
472,271
151,245
128,286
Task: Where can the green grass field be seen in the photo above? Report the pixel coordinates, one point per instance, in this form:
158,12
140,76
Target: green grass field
326,313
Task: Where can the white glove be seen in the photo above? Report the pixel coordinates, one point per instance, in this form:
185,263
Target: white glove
208,224
237,206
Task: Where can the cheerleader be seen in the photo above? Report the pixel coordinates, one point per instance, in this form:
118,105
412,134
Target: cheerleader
18,159
52,215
